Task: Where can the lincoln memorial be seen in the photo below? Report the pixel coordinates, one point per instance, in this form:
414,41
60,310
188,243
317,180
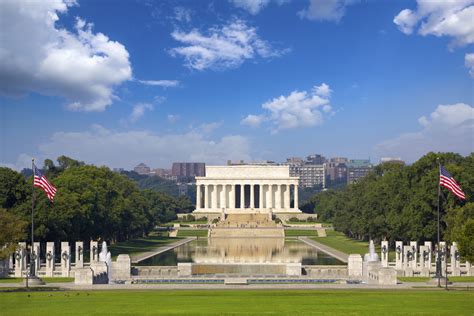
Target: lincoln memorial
246,189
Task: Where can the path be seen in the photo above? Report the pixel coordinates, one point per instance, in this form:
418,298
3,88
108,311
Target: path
145,255
339,255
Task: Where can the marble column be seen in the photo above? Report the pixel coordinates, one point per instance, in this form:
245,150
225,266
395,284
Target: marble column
252,196
206,196
232,196
296,197
214,197
94,251
198,197
287,197
50,259
65,258
278,197
260,196
222,199
79,254
242,196
384,253
36,251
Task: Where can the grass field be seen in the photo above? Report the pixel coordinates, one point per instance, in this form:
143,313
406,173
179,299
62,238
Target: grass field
138,245
192,232
426,279
235,302
47,280
300,232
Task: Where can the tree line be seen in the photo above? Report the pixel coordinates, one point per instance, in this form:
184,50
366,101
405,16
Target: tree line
399,202
91,203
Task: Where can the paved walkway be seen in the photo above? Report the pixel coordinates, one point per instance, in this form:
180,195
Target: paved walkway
341,256
145,255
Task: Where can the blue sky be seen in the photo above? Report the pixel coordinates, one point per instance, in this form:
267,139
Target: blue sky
121,82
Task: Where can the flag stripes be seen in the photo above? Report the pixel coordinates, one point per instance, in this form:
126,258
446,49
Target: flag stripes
446,180
40,181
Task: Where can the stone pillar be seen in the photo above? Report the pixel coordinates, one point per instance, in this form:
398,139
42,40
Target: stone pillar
242,196
36,262
384,253
429,249
252,196
260,196
287,197
268,197
296,197
414,251
443,257
198,196
354,267
455,260
50,258
399,255
278,197
94,251
406,256
206,196
20,260
232,196
79,254
222,197
214,196
65,258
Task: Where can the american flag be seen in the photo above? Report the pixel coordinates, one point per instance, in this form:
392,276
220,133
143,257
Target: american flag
40,181
446,180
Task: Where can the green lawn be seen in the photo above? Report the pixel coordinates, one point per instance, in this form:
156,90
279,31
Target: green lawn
192,232
300,232
253,302
138,245
426,279
47,280
187,223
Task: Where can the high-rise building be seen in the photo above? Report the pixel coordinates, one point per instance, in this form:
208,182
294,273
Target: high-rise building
336,170
310,175
142,169
188,169
315,159
357,169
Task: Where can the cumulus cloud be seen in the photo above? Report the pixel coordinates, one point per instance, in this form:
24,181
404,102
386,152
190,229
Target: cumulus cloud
160,83
36,55
253,120
448,128
469,62
223,47
325,10
440,18
252,6
102,146
139,110
298,109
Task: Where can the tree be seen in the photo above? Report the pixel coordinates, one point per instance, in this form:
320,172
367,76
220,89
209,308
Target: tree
13,188
11,232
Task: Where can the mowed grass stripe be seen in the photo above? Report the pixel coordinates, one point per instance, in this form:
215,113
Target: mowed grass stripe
256,302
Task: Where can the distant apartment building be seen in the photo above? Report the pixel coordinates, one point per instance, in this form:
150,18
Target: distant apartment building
357,169
392,159
142,169
251,163
336,170
315,159
161,172
294,161
188,169
310,174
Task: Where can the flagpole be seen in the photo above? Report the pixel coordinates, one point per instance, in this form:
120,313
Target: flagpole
438,259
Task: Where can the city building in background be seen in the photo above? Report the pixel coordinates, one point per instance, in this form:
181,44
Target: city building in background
309,173
357,169
142,169
336,170
392,159
315,159
188,169
251,163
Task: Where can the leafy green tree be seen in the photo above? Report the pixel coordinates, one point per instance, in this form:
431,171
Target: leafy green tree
11,232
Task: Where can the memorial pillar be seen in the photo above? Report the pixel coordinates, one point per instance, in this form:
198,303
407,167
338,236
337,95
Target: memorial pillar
65,258
20,259
214,196
398,257
444,252
260,196
384,253
79,254
287,197
36,256
50,259
94,251
252,196
198,196
222,197
242,196
414,251
429,250
232,196
206,196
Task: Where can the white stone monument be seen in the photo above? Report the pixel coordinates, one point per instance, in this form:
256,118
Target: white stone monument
384,253
399,255
36,256
94,251
20,260
104,256
50,259
65,258
455,260
414,252
79,263
354,266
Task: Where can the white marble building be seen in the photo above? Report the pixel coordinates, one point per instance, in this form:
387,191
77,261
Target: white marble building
247,189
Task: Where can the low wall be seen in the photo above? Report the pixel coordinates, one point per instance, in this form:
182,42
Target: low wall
247,232
300,216
325,272
155,271
286,269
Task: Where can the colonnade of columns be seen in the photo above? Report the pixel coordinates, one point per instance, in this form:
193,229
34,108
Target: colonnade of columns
246,196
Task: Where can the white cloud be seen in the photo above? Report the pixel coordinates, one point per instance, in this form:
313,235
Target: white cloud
102,146
23,161
253,120
173,118
182,14
448,128
299,109
38,56
207,128
469,62
255,6
454,18
160,83
325,10
139,110
222,47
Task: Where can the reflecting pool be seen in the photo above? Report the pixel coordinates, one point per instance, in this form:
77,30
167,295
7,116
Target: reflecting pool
242,250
